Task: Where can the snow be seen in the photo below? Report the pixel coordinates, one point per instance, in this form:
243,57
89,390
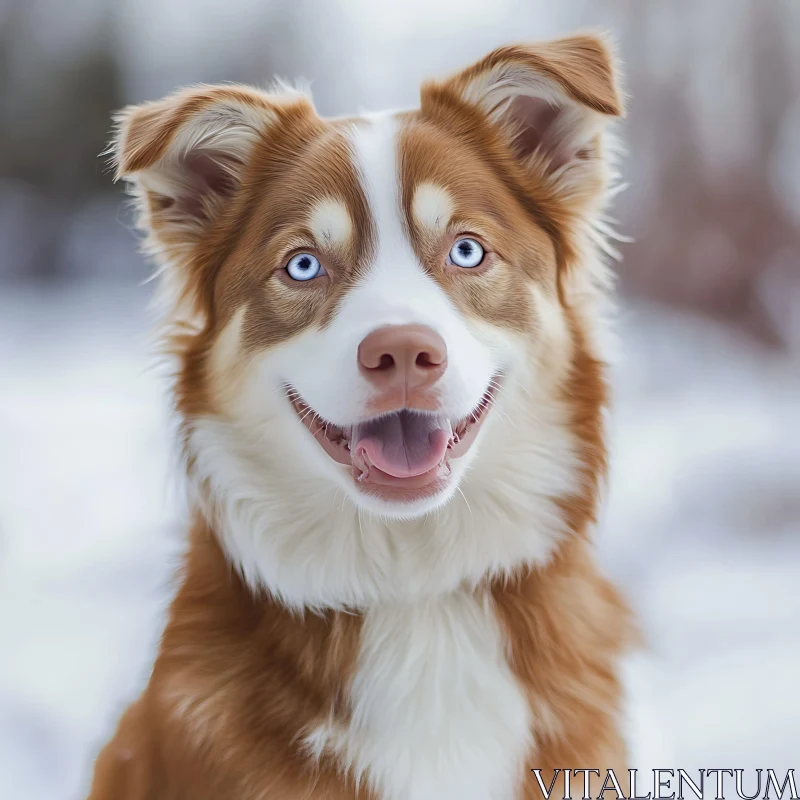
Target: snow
702,530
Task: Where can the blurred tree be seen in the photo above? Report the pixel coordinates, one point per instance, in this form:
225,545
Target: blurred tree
709,235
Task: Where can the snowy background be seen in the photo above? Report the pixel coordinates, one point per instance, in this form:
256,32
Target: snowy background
703,525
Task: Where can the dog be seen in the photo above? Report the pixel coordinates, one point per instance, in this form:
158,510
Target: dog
389,332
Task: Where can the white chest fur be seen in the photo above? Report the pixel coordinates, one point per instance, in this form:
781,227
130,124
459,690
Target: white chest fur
437,713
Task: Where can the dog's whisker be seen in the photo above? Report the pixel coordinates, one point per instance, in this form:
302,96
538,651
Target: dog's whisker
461,492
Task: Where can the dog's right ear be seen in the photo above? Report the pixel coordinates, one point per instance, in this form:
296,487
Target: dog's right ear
187,155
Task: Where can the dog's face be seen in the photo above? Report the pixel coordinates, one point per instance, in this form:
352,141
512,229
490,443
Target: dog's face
379,296
363,302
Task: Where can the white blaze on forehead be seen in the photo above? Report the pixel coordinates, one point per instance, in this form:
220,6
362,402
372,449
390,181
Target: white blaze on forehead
396,288
331,223
375,149
432,206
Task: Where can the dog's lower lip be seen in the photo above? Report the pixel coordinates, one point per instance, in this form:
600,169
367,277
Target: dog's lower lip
335,441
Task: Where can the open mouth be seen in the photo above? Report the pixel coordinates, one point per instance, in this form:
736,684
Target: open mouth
404,454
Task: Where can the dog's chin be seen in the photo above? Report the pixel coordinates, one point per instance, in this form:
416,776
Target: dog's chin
400,464
405,504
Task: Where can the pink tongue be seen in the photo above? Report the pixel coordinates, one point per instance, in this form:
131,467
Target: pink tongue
403,444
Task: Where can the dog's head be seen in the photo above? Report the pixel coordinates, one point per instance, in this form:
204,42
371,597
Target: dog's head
368,310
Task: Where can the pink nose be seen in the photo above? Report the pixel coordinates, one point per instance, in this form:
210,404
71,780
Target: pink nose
404,357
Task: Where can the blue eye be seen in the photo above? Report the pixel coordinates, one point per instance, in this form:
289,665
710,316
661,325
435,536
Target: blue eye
466,253
304,267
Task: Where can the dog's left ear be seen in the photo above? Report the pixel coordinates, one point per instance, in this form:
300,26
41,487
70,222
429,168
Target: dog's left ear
549,101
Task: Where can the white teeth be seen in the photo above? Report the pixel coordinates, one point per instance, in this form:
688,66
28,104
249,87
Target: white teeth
361,463
363,470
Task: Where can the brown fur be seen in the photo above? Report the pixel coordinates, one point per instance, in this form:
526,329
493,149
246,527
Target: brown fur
239,679
483,206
